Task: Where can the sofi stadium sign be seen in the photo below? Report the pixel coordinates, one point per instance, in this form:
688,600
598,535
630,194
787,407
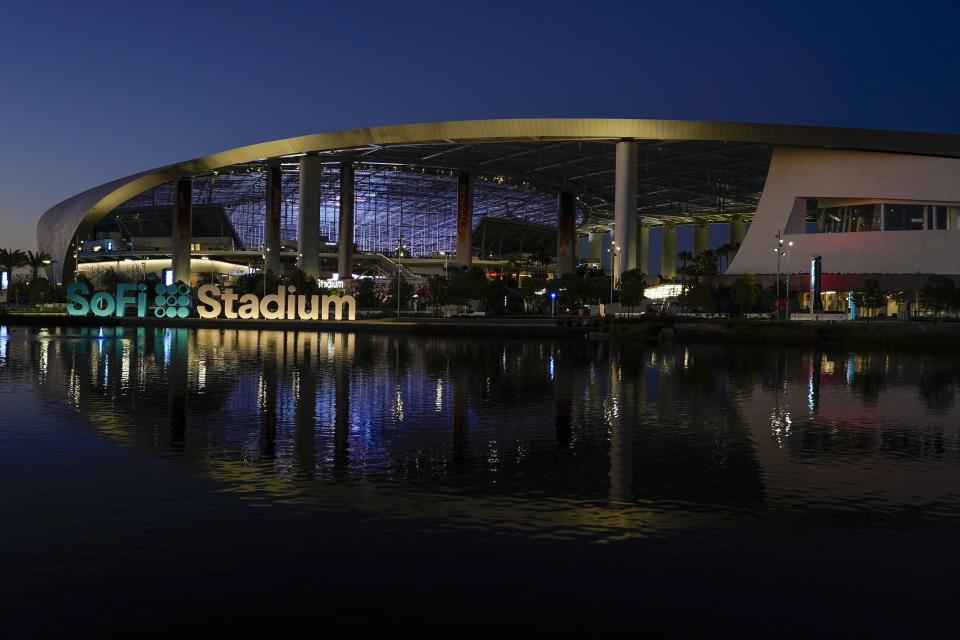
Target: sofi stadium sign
177,301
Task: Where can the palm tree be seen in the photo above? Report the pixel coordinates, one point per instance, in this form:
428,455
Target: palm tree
723,253
36,261
684,257
10,260
541,258
705,263
726,251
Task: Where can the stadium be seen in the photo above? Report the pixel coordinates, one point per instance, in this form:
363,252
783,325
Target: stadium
611,194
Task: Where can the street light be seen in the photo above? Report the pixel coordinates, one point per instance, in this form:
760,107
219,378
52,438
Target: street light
265,251
446,269
779,251
49,262
399,256
782,250
399,274
789,244
553,303
613,267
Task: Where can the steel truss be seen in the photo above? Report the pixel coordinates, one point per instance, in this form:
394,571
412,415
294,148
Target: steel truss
409,191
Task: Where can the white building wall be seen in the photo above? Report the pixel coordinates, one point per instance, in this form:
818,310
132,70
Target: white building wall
824,173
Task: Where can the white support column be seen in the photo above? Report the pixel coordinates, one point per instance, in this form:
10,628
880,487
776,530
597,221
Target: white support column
625,205
595,248
308,220
643,249
668,251
701,238
738,229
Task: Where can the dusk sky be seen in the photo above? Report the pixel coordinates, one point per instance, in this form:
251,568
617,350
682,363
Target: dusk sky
95,91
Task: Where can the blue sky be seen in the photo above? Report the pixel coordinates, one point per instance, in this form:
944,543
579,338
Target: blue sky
94,91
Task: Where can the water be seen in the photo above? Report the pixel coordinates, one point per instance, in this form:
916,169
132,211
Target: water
177,480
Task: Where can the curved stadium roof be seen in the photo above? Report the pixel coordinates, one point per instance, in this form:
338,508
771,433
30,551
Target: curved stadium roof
687,170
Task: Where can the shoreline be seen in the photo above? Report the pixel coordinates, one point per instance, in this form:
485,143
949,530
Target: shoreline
464,327
943,336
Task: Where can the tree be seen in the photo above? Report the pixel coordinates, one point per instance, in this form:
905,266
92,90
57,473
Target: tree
685,257
705,263
542,259
496,294
366,294
531,289
438,290
10,260
574,290
306,285
745,292
83,278
870,296
36,261
257,283
939,294
633,283
468,284
700,296
768,298
726,251
406,292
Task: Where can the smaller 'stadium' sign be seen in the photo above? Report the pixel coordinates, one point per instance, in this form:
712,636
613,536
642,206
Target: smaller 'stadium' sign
175,301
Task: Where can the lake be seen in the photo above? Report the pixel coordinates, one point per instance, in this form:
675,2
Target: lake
160,481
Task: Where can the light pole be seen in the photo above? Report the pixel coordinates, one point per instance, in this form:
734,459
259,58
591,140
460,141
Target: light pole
553,304
613,267
778,249
265,251
446,269
399,274
399,256
789,244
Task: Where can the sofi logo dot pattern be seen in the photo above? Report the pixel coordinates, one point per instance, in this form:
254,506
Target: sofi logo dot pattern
172,301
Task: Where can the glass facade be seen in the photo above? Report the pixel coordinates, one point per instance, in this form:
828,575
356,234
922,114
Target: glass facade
864,217
903,217
884,216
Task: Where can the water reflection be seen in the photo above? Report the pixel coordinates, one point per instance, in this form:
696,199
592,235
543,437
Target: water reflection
565,439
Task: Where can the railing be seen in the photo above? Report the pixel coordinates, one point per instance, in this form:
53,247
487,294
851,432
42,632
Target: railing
390,266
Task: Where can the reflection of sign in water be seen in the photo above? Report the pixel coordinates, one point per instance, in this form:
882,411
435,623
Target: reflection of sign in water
175,301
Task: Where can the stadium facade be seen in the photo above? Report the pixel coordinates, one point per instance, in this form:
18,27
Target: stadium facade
413,198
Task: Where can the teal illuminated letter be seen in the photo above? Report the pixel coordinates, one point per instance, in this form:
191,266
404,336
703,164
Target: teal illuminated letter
102,304
78,305
123,299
